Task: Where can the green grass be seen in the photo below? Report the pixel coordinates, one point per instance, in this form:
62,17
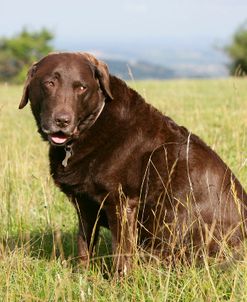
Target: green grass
38,225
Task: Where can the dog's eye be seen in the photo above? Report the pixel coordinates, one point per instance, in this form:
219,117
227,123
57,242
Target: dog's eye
80,88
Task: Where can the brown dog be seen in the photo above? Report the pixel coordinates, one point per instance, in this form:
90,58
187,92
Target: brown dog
126,166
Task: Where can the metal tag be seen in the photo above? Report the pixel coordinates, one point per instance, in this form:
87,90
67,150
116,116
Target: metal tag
68,154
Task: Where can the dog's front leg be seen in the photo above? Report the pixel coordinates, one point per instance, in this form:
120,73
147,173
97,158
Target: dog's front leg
88,232
122,219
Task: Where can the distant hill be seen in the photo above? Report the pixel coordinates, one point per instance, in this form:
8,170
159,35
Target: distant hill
138,70
172,58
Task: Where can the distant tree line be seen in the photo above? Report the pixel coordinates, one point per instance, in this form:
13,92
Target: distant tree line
237,51
19,52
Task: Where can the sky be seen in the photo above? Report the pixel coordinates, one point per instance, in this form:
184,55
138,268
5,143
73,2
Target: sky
79,22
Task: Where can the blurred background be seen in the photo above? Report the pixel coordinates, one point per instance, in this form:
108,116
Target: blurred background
143,39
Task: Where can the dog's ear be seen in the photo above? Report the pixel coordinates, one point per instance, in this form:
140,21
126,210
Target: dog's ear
101,73
25,95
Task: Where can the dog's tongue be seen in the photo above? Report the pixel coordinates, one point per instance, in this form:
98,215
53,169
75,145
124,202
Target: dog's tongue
58,138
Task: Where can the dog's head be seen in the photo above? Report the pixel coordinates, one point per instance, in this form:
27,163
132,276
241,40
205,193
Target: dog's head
67,92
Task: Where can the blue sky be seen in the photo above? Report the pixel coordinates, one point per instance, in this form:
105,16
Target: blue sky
130,21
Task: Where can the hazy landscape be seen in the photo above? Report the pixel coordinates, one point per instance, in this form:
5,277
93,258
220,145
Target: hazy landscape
158,59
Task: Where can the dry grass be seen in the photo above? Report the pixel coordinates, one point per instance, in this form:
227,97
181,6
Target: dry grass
38,225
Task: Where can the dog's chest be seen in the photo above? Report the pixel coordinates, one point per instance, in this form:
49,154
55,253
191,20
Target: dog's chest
75,178
95,174
72,174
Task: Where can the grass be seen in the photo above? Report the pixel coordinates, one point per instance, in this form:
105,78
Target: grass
38,225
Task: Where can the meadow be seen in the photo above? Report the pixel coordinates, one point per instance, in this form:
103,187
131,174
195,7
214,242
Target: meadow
38,253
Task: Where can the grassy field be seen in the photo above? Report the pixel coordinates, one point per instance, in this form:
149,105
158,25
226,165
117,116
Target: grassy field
38,225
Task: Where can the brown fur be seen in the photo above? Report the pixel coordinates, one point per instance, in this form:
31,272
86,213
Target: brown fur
132,169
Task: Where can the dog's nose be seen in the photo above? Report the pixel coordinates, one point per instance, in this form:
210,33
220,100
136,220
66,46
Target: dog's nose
62,120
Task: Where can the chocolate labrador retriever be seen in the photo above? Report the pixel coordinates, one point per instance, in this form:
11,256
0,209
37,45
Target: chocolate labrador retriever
126,166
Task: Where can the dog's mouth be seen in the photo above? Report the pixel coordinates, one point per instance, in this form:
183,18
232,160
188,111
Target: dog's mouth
59,138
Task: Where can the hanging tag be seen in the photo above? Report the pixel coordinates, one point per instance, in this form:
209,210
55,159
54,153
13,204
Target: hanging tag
68,154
